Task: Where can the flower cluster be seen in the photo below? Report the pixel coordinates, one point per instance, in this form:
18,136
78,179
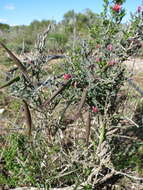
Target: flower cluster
116,8
110,47
67,76
112,62
94,109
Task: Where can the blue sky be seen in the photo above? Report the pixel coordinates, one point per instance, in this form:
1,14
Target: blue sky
19,12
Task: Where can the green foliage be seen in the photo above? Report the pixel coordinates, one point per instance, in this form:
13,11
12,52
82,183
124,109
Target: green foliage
35,163
134,155
4,60
59,40
21,161
15,105
80,22
4,27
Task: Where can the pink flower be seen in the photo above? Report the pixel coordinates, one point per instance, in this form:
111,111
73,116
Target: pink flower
67,76
139,9
97,46
110,47
97,59
94,109
112,62
116,7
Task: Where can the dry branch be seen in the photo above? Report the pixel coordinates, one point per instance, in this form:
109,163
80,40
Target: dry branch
28,118
17,62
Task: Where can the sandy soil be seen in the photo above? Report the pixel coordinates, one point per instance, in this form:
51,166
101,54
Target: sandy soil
135,64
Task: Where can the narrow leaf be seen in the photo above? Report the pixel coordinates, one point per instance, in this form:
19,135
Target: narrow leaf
17,61
28,118
16,79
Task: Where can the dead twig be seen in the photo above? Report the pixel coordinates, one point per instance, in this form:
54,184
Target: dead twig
88,127
28,118
130,176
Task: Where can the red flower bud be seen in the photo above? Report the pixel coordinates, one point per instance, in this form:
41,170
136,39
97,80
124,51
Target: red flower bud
67,76
110,47
98,46
116,7
112,62
97,59
94,109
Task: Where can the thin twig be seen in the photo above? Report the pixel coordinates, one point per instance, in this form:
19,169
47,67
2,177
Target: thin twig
132,122
88,127
126,137
130,176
